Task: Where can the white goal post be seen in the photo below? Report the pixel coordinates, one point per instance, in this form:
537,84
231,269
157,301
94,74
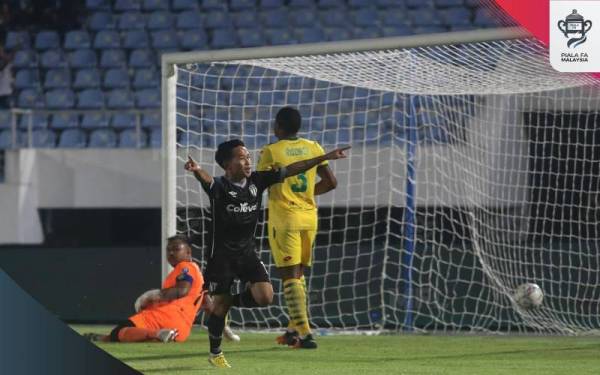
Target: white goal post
474,169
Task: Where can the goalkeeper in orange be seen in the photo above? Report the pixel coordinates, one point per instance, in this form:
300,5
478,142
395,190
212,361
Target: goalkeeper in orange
293,219
165,314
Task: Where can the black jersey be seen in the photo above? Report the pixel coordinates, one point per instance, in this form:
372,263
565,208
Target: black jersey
235,211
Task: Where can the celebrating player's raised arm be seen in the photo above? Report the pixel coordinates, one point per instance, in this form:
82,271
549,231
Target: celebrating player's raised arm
200,174
304,165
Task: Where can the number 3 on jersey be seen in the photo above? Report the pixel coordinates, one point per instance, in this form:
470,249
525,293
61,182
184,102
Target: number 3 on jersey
301,185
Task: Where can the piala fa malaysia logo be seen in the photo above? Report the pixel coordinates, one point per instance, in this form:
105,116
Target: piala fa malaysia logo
574,27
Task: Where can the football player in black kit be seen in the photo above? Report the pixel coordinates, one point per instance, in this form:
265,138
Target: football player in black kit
235,200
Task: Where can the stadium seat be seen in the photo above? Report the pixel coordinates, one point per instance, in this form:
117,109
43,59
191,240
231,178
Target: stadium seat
390,4
300,4
148,98
420,4
129,139
131,20
127,5
141,58
366,17
223,38
25,59
90,99
218,20
77,39
280,36
251,37
245,19
47,39
337,33
193,39
303,17
360,3
72,138
94,120
102,21
57,78
60,99
53,59
151,120
160,21
242,5
105,39
86,78
422,17
103,138
396,31
165,39
155,138
116,78
136,39
274,18
309,35
456,16
5,119
17,40
43,138
327,4
448,3
189,20
123,120
214,5
27,78
6,139
97,4
484,18
152,5
64,120
113,58
365,32
83,58
119,99
394,17
179,5
146,78
271,4
36,121
472,3
31,98
334,18
430,29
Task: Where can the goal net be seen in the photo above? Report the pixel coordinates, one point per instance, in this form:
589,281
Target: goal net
474,168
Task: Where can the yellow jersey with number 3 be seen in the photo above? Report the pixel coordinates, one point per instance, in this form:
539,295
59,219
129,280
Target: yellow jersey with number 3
292,203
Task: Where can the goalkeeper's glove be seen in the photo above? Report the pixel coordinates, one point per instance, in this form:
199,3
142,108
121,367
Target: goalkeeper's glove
146,297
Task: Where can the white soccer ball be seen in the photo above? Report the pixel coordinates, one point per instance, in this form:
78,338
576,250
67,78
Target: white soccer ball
529,295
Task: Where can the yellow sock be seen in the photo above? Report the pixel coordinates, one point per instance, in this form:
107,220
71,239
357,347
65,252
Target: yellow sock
295,298
291,326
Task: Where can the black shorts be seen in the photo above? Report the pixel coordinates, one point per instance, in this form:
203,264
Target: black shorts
222,270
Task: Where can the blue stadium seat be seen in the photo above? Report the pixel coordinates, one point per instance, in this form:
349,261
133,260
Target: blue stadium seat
53,59
425,17
107,39
334,18
103,138
430,29
156,138
17,40
64,120
148,98
299,4
87,78
77,39
191,19
309,35
72,138
25,59
90,99
366,32
60,99
223,38
366,17
5,119
327,4
484,18
123,120
38,121
360,3
165,39
280,36
58,78
27,78
146,78
271,4
136,39
396,31
413,4
129,139
127,5
151,120
97,4
275,18
102,21
113,58
394,17
214,5
6,139
337,33
303,17
185,5
31,98
116,78
472,3
244,5
389,4
193,39
141,58
119,99
132,20
43,138
83,58
94,120
160,21
251,37
151,5
218,20
460,16
47,39
448,3
245,19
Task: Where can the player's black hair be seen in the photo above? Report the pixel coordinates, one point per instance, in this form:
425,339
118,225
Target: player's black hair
225,151
180,238
289,120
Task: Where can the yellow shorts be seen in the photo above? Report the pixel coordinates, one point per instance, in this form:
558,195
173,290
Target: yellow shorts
291,247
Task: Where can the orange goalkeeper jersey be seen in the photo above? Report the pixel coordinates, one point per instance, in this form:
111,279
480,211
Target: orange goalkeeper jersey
189,305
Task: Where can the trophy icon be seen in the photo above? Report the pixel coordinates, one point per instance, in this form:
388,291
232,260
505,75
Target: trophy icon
575,27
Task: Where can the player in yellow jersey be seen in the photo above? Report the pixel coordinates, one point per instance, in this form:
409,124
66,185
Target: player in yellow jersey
293,218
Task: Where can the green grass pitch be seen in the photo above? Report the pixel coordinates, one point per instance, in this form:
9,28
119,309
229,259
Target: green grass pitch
257,353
